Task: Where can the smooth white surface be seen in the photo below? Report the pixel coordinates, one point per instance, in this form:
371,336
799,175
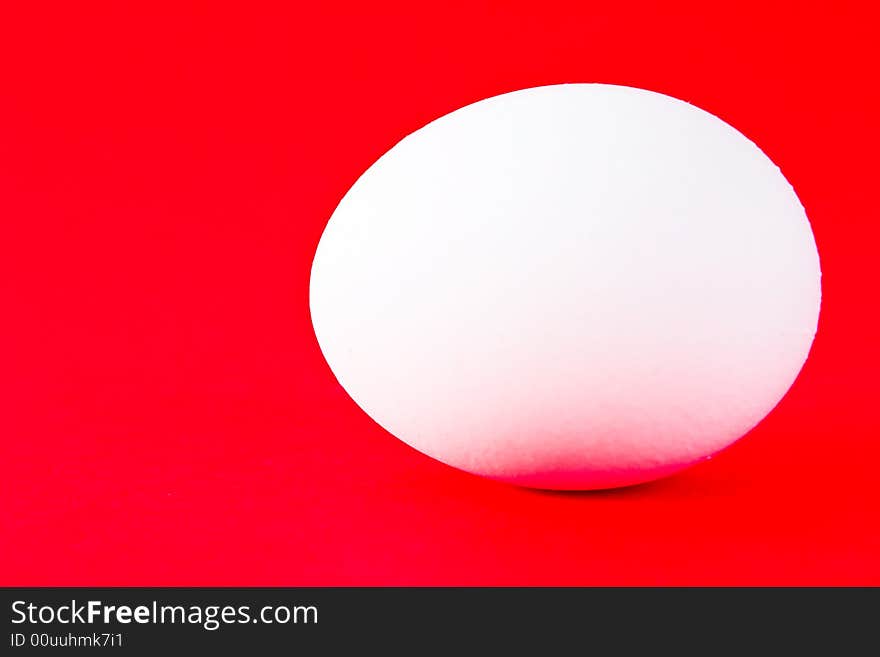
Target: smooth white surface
571,286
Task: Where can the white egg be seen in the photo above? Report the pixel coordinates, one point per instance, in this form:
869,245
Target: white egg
573,286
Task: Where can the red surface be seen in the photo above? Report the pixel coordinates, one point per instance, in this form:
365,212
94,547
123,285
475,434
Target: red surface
167,417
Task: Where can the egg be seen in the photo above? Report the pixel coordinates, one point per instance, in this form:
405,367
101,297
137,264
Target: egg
573,286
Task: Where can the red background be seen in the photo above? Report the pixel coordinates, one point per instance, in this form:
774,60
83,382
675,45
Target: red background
167,417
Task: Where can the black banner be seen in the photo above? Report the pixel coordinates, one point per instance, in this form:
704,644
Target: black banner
419,620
